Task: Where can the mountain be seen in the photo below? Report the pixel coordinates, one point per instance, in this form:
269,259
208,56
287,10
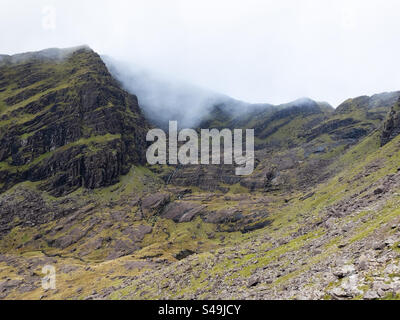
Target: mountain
296,143
65,122
317,219
392,124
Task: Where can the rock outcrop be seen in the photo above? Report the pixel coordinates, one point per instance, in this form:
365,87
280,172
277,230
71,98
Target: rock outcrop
391,128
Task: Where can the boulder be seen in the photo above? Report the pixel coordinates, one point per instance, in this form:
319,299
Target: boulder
153,204
182,211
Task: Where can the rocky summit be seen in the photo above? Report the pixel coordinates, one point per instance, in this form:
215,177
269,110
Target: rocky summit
318,218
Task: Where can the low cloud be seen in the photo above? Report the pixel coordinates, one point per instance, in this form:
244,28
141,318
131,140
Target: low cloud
164,98
260,51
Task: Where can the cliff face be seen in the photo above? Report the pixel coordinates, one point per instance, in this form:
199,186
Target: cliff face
391,128
65,121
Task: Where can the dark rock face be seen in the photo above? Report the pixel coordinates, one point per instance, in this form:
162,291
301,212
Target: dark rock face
257,226
224,216
391,127
184,254
67,123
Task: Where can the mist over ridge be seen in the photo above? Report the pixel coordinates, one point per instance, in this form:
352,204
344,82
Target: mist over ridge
54,54
165,98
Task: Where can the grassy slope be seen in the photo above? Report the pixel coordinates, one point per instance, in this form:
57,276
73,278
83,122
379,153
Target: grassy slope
295,225
288,219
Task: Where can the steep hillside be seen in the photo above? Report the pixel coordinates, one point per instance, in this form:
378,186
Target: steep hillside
340,241
65,121
392,124
295,143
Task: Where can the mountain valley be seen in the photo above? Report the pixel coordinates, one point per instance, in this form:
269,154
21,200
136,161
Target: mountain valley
319,218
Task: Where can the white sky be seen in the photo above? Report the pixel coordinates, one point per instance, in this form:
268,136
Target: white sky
254,50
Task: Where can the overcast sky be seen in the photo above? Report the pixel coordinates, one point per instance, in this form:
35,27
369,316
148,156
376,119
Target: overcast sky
253,50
